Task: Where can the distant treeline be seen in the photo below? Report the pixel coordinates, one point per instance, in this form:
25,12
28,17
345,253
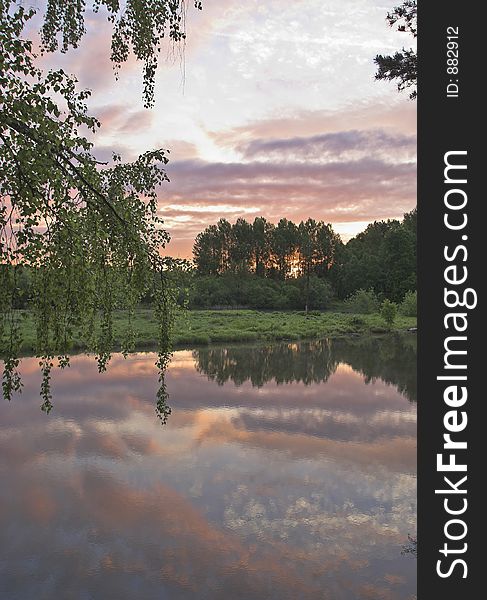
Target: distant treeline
262,265
285,266
267,250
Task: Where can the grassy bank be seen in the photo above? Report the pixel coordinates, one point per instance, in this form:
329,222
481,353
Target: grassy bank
198,327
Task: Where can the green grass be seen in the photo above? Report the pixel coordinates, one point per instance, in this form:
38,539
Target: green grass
200,327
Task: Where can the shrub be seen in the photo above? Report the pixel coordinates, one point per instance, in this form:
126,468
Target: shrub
409,305
357,323
320,292
290,296
318,295
260,294
388,311
255,292
363,301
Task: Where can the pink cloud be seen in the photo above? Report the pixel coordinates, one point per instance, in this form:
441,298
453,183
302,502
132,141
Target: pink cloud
390,116
357,190
347,166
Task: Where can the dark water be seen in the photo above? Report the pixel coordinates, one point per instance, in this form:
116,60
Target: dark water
285,472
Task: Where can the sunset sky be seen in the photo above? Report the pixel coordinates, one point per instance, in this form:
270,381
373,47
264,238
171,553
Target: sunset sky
272,110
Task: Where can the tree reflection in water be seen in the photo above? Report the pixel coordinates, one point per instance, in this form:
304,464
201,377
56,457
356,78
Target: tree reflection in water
301,487
391,359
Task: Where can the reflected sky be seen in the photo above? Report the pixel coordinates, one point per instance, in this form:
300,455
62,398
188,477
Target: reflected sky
260,486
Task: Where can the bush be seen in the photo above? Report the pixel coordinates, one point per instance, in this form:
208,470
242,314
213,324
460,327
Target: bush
388,311
210,291
255,292
409,305
357,323
290,296
363,301
258,293
320,292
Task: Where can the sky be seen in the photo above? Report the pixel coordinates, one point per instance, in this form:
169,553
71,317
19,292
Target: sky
271,110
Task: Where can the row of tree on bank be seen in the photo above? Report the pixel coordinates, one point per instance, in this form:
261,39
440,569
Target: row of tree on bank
267,250
303,263
287,266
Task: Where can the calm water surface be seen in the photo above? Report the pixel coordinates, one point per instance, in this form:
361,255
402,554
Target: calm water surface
285,471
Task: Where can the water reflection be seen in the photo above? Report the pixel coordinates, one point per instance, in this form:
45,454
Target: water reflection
391,358
299,482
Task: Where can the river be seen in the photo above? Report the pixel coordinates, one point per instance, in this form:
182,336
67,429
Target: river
285,471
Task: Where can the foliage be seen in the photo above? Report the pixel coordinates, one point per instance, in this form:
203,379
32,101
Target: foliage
388,311
363,301
316,291
267,250
251,291
87,235
409,305
138,26
381,258
284,241
402,65
196,327
179,274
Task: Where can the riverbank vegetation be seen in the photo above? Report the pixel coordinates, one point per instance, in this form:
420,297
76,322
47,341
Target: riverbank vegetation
265,282
201,327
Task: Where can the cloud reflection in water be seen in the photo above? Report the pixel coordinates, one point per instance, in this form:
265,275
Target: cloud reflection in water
280,474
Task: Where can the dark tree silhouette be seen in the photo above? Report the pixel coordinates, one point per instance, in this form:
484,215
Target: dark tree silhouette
286,266
402,66
382,258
